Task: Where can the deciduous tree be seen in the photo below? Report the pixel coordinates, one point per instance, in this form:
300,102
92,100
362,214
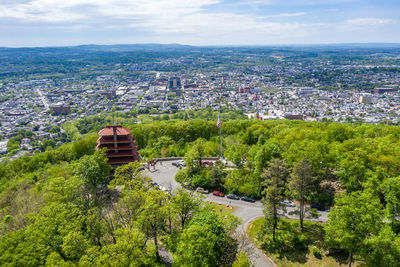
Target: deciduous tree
185,204
153,215
354,217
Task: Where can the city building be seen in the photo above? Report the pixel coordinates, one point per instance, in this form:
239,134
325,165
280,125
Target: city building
365,98
60,108
175,85
382,90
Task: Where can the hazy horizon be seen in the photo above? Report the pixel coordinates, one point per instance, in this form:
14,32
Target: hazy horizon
358,45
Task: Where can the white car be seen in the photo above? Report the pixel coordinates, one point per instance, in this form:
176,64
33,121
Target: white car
162,188
287,203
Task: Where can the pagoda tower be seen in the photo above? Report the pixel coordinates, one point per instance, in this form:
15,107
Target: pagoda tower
121,146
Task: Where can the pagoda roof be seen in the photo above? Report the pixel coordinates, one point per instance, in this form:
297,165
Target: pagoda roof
108,131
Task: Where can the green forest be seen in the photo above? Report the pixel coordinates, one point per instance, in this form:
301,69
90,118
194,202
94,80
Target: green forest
66,206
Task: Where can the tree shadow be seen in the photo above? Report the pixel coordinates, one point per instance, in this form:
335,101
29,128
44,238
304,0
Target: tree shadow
296,248
340,257
296,256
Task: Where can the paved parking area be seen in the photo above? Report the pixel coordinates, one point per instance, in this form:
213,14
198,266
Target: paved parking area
164,174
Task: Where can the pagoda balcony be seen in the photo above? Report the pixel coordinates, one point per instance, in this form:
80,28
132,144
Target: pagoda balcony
121,160
111,147
121,154
110,139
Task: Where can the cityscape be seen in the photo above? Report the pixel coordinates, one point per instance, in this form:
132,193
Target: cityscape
283,87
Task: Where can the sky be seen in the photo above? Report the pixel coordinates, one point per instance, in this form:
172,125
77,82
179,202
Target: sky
197,22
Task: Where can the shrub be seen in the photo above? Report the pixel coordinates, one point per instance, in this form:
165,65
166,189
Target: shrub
299,241
182,176
200,179
316,252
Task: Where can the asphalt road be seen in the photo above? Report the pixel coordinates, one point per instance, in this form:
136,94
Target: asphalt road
164,174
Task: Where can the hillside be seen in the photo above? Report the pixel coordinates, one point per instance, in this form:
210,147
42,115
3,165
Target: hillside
55,207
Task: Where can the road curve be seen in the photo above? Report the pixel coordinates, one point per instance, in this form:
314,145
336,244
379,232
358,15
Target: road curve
164,174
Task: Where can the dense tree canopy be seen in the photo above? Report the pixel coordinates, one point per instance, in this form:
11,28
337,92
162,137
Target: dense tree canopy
354,167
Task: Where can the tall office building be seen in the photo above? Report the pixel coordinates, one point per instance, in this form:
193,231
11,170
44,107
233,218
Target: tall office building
175,85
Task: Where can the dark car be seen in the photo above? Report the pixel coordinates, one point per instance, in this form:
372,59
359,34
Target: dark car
247,199
179,163
154,184
218,194
232,196
189,186
318,207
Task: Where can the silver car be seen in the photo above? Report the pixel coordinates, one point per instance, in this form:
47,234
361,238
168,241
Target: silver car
287,203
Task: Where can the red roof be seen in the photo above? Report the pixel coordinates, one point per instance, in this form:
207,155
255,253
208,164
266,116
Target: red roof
108,131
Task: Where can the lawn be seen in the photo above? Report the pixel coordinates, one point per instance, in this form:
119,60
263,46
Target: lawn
222,209
298,248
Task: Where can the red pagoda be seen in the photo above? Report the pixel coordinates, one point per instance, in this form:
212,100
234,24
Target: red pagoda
121,147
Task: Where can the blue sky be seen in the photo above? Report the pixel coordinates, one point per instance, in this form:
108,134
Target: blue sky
197,22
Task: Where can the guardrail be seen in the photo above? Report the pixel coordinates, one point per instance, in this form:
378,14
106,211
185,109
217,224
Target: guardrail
179,158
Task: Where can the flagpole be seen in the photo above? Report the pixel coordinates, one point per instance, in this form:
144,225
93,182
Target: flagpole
220,122
220,134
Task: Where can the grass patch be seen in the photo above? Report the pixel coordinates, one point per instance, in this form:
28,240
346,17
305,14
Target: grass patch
222,209
296,248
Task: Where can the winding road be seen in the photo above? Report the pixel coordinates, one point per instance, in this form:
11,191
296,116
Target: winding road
164,174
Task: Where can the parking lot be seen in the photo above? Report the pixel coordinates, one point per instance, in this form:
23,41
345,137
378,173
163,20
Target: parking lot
164,174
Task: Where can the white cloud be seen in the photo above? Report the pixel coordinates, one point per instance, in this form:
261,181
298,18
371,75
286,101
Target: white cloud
72,10
186,21
361,22
286,15
161,17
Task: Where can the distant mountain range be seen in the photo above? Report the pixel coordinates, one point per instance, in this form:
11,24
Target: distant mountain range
153,46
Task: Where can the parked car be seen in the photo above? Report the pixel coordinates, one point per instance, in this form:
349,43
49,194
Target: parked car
317,206
178,163
163,188
154,184
202,190
232,196
188,186
206,162
287,203
218,194
248,199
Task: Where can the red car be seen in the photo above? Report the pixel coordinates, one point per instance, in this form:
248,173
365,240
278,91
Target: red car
218,194
206,162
